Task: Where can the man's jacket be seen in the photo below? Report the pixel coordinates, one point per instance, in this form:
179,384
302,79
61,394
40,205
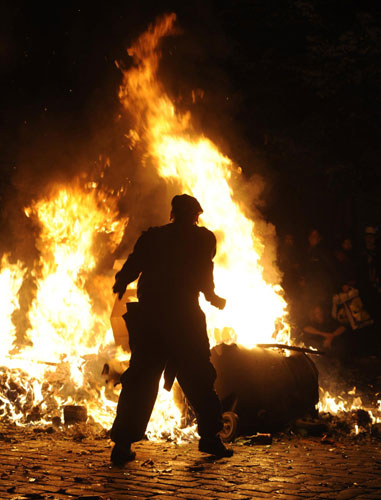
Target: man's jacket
174,262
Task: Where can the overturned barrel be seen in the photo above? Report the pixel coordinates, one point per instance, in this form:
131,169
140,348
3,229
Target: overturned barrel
265,388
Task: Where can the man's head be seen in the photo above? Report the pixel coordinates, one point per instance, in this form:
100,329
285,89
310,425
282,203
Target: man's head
314,237
185,209
316,314
346,244
370,237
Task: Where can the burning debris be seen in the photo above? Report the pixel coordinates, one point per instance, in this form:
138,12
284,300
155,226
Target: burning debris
41,399
74,414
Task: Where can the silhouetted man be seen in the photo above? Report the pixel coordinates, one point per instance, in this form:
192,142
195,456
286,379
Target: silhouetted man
167,328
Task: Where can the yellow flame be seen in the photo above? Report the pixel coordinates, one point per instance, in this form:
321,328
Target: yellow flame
62,316
11,278
256,310
69,315
166,419
329,403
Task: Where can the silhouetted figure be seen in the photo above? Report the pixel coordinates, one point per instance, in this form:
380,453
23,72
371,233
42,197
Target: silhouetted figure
345,264
167,328
370,273
289,263
321,329
318,269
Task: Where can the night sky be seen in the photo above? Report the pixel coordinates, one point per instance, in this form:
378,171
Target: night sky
291,92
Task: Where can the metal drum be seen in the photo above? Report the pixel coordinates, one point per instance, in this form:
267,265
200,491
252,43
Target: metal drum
263,390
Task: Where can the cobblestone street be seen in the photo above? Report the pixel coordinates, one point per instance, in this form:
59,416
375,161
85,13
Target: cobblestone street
41,466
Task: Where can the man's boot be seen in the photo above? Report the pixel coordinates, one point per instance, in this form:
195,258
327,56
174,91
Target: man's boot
214,446
120,455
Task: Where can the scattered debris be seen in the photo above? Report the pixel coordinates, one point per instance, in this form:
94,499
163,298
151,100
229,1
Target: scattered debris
362,417
91,497
74,414
310,427
148,463
56,421
255,439
326,440
376,430
195,468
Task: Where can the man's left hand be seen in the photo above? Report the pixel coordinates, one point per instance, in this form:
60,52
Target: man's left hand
119,289
218,302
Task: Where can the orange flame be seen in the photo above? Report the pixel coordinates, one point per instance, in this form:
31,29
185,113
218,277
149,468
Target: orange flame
70,220
337,404
66,323
11,278
256,310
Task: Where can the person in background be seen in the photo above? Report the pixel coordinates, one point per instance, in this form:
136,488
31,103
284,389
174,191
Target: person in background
369,274
345,264
321,329
318,269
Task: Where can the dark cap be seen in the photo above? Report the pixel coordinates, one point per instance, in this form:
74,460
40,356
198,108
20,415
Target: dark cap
185,204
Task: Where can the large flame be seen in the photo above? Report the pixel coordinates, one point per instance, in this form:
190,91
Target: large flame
70,220
79,222
256,310
11,278
69,316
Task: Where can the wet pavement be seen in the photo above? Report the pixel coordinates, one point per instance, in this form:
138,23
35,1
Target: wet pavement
50,465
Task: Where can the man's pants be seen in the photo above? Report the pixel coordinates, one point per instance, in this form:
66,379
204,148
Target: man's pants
189,351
